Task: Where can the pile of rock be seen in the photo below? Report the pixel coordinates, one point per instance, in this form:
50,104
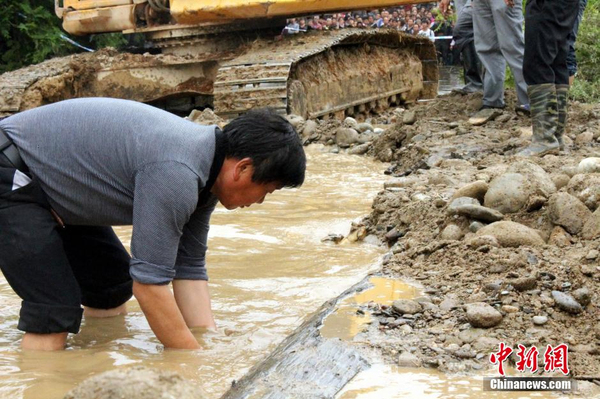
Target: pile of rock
571,204
356,137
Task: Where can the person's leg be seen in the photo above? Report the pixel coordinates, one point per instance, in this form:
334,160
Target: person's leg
488,51
565,12
571,57
459,4
35,265
464,41
542,43
509,22
100,264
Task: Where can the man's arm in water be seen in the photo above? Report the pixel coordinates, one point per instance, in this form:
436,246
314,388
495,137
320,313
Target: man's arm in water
163,315
165,199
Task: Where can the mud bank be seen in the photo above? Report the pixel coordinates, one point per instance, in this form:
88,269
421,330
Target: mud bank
521,243
506,248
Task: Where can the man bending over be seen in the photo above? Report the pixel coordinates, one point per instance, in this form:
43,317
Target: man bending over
70,170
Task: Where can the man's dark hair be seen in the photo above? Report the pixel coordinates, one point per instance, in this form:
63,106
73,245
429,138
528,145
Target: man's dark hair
272,144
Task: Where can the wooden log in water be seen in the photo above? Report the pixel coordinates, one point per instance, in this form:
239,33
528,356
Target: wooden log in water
304,365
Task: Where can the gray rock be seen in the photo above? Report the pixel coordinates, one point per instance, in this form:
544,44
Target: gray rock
524,283
540,320
448,304
310,128
509,309
511,234
476,190
136,383
378,130
484,240
583,296
351,123
455,203
559,237
540,180
406,306
407,359
560,180
482,315
365,127
409,117
567,211
592,255
451,232
589,165
399,182
359,149
586,188
471,334
295,120
484,116
479,212
345,137
508,193
566,302
591,228
584,137
475,226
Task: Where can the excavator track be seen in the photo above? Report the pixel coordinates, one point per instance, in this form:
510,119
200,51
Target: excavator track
314,75
328,74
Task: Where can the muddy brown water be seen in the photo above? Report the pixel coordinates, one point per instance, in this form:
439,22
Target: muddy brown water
268,270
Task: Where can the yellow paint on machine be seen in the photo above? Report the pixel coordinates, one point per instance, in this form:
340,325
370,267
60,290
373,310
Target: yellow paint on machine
194,11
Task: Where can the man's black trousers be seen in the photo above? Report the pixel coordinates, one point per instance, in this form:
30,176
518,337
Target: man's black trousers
548,24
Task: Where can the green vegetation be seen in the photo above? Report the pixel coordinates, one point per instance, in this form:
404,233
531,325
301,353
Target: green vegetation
30,32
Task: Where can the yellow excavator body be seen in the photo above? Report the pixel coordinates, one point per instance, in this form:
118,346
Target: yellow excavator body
230,55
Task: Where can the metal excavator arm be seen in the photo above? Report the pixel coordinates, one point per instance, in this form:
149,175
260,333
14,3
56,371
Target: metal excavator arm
95,16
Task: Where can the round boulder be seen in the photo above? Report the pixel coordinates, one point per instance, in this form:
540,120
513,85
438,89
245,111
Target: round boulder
476,190
589,165
451,232
508,193
310,128
567,211
406,306
541,181
351,123
591,228
136,383
482,315
586,187
511,234
345,137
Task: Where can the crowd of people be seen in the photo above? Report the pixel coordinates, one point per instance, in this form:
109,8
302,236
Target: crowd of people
420,20
415,20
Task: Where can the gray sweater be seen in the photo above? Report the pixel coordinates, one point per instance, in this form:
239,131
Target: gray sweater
109,162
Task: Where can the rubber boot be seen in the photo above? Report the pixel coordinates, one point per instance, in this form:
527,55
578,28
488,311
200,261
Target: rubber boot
544,118
562,98
473,69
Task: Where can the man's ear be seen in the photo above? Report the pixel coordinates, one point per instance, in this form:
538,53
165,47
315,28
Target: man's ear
242,167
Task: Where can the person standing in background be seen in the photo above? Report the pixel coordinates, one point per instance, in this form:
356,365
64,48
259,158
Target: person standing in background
571,58
548,25
465,44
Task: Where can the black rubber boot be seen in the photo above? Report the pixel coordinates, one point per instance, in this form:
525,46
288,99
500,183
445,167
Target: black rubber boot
544,117
562,99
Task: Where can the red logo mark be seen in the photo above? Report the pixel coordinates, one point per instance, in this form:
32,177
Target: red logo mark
527,360
500,356
557,358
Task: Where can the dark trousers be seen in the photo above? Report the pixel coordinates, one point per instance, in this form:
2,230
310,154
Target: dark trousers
53,269
548,24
